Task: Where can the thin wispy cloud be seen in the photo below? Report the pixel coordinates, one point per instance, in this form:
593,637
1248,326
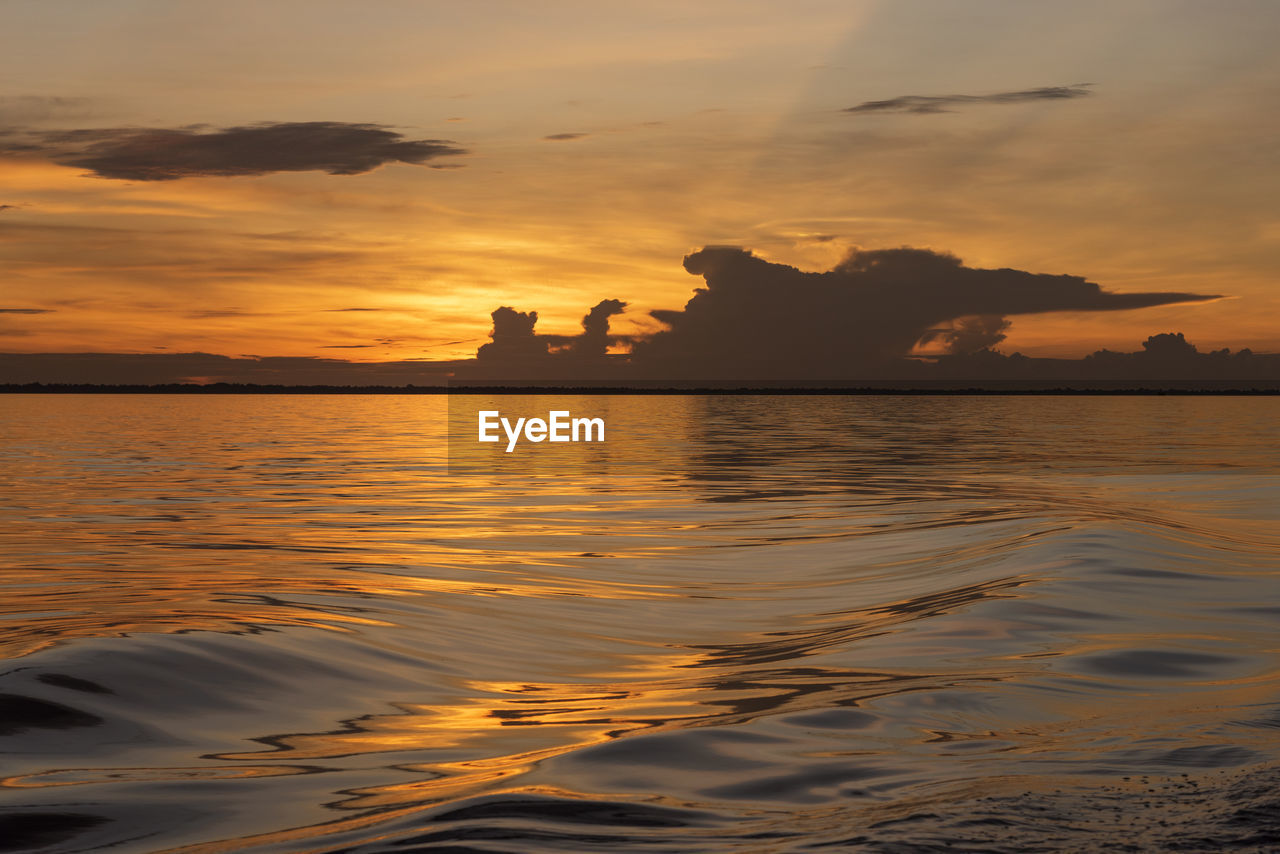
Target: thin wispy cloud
205,314
25,109
153,368
26,311
565,137
924,104
168,154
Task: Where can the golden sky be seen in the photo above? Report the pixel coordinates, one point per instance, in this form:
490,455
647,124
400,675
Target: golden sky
679,127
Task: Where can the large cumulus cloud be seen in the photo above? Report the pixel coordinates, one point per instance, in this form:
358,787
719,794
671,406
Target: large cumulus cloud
757,319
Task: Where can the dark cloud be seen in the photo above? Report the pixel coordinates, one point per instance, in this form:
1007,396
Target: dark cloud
26,310
940,103
346,346
355,309
969,334
159,368
594,340
561,137
514,340
516,350
759,319
167,154
8,207
1166,360
1171,354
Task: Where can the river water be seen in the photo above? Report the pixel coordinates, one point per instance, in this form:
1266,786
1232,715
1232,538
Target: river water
742,623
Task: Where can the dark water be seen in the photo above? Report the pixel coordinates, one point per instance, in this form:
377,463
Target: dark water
746,624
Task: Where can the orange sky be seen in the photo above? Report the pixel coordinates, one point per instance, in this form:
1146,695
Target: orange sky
723,124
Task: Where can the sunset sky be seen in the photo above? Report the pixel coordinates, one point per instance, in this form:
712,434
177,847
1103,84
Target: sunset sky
547,156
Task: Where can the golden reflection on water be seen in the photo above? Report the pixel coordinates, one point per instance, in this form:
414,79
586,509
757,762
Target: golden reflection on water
915,591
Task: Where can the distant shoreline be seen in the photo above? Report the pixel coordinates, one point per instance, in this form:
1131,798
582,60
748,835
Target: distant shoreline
1115,389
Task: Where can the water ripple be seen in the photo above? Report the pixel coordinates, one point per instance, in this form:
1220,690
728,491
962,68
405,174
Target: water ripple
288,624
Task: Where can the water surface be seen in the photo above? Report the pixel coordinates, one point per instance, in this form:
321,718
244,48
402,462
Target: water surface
274,623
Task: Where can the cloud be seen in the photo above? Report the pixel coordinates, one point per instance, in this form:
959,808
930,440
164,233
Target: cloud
210,313
561,137
940,103
760,319
594,341
1166,360
516,350
8,207
1171,354
756,320
514,340
167,154
24,109
158,368
969,334
12,327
